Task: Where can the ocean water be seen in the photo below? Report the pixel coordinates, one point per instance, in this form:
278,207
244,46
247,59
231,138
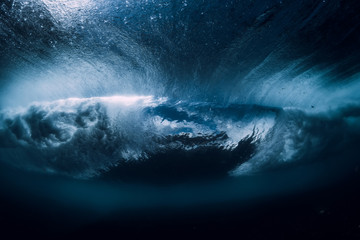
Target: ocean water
199,118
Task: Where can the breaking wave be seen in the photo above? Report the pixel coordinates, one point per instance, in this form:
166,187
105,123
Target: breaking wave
198,88
140,136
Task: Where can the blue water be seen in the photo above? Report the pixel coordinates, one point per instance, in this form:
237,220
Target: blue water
117,106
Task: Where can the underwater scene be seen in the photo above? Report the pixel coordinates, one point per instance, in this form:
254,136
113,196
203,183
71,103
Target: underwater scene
180,119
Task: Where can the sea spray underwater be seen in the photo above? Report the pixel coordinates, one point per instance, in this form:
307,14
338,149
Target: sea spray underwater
121,110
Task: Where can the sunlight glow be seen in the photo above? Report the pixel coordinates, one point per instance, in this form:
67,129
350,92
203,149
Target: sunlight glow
68,4
127,100
68,11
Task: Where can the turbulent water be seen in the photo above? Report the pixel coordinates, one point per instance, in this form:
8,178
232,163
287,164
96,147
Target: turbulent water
82,137
87,137
176,91
216,63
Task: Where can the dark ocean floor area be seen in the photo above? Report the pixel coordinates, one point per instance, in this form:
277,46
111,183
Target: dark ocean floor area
330,212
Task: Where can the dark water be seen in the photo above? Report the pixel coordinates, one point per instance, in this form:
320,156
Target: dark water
180,118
